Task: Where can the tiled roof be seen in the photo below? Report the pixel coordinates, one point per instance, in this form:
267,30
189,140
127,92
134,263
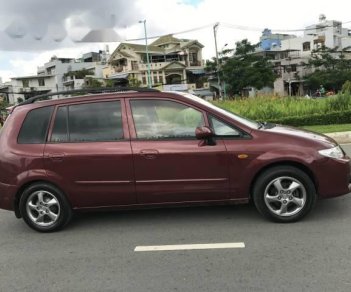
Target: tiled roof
165,40
141,48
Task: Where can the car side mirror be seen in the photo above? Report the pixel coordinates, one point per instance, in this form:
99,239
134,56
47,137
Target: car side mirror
206,134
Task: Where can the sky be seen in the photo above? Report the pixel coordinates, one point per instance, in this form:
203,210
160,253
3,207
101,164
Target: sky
32,31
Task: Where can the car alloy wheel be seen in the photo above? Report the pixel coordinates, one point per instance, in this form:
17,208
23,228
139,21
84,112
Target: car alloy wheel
43,208
285,196
284,193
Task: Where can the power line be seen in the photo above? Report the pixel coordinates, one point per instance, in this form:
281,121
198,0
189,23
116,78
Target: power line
238,27
173,33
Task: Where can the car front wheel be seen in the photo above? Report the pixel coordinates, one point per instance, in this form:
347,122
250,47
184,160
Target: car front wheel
284,194
44,207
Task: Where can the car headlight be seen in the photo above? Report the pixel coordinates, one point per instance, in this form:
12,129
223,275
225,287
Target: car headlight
335,153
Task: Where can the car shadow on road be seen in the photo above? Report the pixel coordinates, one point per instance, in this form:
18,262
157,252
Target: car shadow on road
325,210
188,215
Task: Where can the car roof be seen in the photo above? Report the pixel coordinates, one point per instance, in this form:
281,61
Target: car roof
86,91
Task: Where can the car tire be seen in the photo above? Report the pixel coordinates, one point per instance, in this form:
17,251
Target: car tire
44,207
284,194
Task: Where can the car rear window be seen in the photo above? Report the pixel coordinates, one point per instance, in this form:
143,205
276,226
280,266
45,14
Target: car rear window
35,126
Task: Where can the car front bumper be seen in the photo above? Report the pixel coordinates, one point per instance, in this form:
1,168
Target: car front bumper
333,178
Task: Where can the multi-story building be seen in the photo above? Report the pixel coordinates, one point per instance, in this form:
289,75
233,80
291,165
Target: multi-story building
53,76
291,59
174,63
273,41
58,67
28,86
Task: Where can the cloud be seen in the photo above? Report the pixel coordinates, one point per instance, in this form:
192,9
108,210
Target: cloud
41,22
40,25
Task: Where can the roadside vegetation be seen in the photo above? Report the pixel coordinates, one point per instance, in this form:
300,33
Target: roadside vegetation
294,111
329,128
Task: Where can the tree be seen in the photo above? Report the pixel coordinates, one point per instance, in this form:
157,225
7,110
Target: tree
92,83
245,68
211,65
331,68
133,82
3,104
78,74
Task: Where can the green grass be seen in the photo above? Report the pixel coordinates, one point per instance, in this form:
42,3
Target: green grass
273,108
329,128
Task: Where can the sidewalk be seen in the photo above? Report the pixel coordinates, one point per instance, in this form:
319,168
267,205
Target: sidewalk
341,137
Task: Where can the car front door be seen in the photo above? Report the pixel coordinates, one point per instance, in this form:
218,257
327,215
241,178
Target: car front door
171,165
89,154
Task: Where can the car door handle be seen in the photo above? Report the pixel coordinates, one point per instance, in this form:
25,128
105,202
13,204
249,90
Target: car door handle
56,156
149,153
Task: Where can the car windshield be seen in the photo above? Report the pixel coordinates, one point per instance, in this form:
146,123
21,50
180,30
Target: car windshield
240,119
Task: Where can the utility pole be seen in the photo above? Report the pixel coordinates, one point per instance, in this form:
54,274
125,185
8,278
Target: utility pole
149,83
215,27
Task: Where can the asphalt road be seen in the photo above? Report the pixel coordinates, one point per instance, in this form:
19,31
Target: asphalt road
96,251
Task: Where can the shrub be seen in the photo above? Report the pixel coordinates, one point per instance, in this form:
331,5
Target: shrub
346,88
315,119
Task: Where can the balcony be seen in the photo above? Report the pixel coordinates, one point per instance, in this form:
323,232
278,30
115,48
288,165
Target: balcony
158,65
118,69
195,63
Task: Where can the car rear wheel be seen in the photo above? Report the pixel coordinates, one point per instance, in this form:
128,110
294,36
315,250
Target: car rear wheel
284,194
44,207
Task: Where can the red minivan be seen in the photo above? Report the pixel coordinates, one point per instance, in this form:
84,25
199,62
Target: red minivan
134,148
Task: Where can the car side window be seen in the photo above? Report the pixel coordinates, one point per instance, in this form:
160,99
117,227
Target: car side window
35,126
60,132
89,122
223,129
164,119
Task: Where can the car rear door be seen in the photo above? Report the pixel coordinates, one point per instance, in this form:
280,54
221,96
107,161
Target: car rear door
89,154
171,165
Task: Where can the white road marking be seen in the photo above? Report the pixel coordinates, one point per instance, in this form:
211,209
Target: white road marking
190,246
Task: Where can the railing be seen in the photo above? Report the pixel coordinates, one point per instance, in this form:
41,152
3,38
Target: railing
195,63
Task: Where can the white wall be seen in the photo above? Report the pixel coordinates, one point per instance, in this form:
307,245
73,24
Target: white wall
33,82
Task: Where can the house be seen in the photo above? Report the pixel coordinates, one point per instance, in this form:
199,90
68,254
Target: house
57,75
59,67
172,61
272,41
291,59
28,86
6,92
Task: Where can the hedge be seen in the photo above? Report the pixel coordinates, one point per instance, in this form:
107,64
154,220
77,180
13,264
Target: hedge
343,117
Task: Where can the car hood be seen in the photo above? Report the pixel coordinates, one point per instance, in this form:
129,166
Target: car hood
304,134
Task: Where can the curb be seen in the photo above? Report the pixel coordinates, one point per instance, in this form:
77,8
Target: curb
340,137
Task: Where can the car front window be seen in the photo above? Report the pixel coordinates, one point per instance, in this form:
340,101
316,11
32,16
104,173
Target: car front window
164,119
240,119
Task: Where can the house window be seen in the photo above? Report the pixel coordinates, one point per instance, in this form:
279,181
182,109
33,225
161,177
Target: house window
290,68
25,83
144,80
155,79
41,82
193,58
306,46
135,65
